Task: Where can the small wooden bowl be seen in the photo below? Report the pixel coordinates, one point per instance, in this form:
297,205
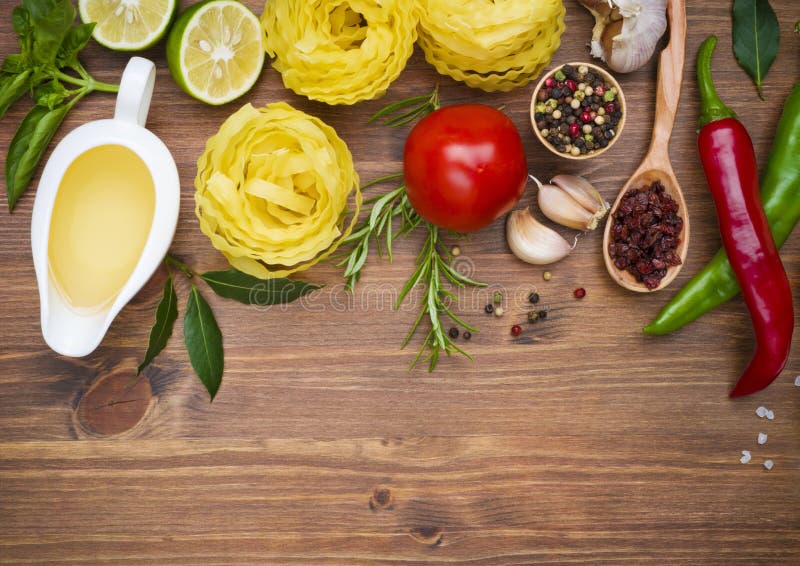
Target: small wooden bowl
620,100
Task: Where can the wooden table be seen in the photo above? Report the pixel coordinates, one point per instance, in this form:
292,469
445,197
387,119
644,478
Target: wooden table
582,441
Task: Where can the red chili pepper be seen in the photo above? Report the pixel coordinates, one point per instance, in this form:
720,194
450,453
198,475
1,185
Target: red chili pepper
729,161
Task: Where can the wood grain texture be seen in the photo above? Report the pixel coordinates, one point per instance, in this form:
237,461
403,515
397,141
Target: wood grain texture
582,441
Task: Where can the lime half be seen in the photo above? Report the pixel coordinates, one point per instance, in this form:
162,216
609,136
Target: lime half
215,50
128,25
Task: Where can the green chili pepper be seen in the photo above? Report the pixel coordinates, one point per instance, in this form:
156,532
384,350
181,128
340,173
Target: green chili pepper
780,195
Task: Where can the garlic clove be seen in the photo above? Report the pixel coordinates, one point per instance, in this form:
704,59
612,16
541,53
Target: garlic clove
582,191
562,209
533,242
571,201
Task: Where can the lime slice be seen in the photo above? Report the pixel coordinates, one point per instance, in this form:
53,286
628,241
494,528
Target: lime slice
215,50
128,25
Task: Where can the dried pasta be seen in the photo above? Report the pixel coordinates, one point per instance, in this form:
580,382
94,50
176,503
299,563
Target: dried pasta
273,190
339,51
490,44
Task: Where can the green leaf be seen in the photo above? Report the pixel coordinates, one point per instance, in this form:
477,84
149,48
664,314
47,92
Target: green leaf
756,36
52,20
12,88
166,314
28,146
233,284
76,39
21,20
14,64
51,94
203,342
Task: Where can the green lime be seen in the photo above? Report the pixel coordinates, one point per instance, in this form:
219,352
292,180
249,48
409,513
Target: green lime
215,50
128,25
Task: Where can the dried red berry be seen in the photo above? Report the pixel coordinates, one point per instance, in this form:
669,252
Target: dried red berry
549,82
516,330
610,107
644,234
573,86
586,116
574,130
580,293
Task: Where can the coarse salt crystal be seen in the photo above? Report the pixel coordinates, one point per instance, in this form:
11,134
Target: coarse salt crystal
745,456
762,437
770,415
761,411
768,464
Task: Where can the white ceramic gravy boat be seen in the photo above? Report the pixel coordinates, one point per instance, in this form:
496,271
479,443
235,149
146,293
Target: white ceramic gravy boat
66,330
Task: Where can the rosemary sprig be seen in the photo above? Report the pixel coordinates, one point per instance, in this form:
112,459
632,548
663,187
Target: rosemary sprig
434,269
378,225
404,111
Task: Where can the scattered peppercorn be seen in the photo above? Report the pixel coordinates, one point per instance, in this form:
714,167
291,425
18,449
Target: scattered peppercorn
580,293
467,335
516,330
543,314
533,316
566,104
456,251
497,298
533,298
499,311
489,308
453,333
546,276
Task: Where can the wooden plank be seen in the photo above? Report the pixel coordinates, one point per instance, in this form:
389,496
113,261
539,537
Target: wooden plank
582,441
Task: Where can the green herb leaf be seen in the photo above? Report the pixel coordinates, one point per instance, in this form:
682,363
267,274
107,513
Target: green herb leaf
12,88
28,146
756,36
21,20
76,39
203,342
166,314
51,94
52,20
797,26
233,284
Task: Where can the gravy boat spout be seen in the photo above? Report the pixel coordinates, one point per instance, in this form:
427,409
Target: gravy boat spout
70,327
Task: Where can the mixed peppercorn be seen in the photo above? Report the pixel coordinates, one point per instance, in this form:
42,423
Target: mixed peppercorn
646,233
576,111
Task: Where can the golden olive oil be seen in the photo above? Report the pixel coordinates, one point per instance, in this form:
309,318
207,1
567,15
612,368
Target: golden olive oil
101,219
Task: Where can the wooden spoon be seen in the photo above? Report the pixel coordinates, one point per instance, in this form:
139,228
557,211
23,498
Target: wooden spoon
656,164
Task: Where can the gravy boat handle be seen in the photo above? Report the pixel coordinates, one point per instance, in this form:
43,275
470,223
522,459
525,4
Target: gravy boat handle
135,91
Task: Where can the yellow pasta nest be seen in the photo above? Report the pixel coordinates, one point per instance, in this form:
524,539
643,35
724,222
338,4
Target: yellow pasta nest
272,190
339,51
490,44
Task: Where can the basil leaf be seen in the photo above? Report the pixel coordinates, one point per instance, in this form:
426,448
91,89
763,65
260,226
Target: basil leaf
52,20
11,89
21,20
756,36
166,314
203,342
14,64
28,146
233,284
76,39
51,94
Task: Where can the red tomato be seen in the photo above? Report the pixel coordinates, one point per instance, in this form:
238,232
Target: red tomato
464,167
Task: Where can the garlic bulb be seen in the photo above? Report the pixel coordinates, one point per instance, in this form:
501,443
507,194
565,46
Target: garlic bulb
572,201
626,32
533,242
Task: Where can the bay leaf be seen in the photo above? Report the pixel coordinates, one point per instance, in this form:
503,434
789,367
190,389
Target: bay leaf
203,342
756,37
166,314
239,286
